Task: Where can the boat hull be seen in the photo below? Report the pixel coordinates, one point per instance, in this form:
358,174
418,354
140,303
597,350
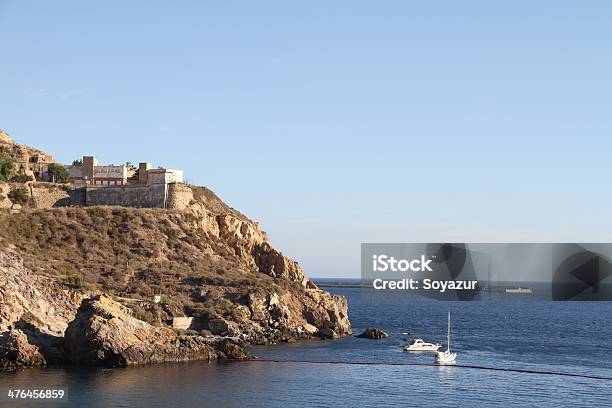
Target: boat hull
431,348
445,357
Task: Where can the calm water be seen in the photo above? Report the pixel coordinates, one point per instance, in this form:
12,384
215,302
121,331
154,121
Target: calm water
571,337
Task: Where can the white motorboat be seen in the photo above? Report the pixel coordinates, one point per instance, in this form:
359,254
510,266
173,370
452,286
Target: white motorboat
446,357
420,345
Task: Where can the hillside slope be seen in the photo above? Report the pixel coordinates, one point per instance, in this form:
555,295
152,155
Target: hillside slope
207,261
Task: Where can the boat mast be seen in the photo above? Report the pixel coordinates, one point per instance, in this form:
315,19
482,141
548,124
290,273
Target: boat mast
448,335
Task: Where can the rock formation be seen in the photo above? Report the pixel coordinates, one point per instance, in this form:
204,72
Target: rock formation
34,313
373,333
5,138
16,351
22,154
105,333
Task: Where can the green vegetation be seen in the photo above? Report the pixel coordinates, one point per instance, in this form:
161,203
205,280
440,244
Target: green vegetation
7,164
77,162
59,174
18,195
75,281
149,312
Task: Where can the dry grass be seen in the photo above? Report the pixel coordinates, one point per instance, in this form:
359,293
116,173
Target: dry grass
136,253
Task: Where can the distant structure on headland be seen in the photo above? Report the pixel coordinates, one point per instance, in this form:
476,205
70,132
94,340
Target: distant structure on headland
91,183
124,185
90,172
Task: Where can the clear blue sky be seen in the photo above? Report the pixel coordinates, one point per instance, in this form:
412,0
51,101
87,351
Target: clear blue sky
335,123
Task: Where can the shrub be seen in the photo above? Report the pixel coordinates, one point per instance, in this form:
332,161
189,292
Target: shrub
19,196
21,178
75,281
145,314
7,164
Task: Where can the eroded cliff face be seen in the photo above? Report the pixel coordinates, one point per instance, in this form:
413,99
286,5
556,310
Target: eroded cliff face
249,242
275,316
34,313
34,299
105,333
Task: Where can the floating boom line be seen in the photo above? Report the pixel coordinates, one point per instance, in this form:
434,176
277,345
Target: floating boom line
389,363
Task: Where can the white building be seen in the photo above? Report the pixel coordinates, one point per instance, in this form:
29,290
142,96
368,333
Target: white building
110,175
163,176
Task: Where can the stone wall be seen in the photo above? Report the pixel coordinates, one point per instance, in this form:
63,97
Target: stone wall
173,195
47,195
150,196
179,196
42,195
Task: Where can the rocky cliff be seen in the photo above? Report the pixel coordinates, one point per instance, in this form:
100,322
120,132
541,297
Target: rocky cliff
202,258
20,152
105,333
34,314
22,155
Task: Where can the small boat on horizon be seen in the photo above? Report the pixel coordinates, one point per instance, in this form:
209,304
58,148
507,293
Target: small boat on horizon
420,345
518,290
446,357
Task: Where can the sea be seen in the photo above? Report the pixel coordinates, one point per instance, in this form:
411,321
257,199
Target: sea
513,351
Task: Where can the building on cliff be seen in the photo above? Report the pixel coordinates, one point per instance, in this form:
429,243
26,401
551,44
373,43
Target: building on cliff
36,164
122,185
91,172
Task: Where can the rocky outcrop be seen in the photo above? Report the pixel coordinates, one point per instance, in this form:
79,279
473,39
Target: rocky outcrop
16,351
229,350
5,188
279,317
22,155
33,299
273,263
5,138
328,313
274,316
34,312
223,327
373,333
105,333
245,237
